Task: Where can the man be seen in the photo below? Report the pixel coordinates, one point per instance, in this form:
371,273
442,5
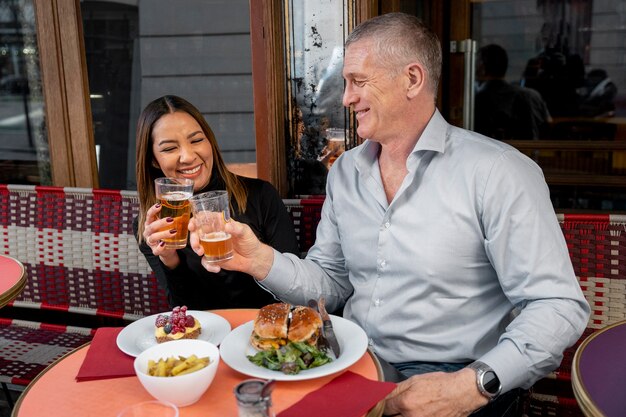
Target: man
503,110
430,237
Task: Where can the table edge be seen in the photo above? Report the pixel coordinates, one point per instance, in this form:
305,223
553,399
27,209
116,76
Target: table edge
589,407
17,288
18,403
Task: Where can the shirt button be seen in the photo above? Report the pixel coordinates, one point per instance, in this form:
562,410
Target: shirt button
383,263
377,302
387,224
370,342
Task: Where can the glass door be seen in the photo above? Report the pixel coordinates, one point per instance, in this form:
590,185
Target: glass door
549,77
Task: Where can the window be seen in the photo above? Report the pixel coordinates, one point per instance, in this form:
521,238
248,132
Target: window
138,51
24,153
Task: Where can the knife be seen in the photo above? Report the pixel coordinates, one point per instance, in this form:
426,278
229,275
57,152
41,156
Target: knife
329,333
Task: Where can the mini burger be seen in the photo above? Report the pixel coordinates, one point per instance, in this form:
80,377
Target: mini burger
279,323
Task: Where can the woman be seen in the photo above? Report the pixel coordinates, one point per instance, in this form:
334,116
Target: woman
174,140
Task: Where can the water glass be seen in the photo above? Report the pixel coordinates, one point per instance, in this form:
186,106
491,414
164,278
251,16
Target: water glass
150,409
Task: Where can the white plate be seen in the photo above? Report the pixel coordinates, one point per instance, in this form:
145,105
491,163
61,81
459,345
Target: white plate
139,335
236,346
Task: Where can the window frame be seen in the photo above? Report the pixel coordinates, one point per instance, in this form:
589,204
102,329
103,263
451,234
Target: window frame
66,93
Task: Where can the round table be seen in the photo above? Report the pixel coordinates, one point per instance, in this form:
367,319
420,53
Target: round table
12,279
599,371
56,392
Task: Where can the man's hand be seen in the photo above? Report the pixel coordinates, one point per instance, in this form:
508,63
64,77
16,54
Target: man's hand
436,394
250,255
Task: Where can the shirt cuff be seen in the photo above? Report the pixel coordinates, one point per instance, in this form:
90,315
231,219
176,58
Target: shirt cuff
280,278
508,363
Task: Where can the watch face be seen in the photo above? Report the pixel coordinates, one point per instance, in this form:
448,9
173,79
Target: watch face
491,383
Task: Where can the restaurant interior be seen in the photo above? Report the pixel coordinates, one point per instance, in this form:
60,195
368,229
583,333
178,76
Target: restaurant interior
266,75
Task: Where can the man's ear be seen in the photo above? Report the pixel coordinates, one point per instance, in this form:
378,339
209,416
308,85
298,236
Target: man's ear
416,76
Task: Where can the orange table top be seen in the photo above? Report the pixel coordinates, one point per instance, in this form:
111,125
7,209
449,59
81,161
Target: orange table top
12,279
56,392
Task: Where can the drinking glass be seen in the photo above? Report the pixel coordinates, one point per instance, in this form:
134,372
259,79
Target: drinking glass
253,399
211,213
336,143
174,194
150,409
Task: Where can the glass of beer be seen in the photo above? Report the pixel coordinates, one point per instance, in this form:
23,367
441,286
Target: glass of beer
336,144
211,213
174,194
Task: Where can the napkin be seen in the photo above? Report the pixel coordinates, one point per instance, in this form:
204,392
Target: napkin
348,395
104,359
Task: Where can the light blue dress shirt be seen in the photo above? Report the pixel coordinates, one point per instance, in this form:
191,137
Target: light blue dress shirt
435,275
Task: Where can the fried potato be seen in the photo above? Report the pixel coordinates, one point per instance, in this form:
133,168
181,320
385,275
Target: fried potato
176,366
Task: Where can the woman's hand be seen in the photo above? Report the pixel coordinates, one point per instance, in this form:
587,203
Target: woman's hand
154,231
249,254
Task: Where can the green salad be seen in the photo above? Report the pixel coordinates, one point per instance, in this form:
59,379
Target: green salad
291,358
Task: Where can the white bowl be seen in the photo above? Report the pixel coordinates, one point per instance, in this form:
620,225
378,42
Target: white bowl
180,390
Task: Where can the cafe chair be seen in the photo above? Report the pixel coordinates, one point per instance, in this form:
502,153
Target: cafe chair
597,248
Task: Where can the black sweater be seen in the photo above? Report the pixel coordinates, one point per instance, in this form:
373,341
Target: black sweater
191,285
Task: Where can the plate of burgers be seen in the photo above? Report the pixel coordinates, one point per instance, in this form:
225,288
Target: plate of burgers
284,342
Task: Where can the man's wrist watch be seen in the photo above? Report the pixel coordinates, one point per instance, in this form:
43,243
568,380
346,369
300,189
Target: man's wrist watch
486,380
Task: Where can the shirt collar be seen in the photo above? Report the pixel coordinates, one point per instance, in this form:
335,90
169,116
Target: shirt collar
433,138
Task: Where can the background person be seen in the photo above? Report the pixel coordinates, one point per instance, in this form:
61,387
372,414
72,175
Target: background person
440,243
174,140
504,110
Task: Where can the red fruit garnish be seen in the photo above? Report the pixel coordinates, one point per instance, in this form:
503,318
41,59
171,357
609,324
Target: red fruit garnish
183,309
176,310
161,320
190,321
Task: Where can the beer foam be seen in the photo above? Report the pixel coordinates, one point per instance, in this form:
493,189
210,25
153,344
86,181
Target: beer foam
176,196
215,237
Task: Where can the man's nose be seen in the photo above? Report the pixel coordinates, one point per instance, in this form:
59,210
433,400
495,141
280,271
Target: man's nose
348,96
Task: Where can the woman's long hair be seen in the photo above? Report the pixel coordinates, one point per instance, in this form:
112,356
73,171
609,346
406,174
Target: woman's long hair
146,168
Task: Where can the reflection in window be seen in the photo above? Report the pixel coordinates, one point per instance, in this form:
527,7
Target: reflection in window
138,51
24,155
567,52
316,31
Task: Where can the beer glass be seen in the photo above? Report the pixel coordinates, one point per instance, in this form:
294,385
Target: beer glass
336,144
211,213
174,194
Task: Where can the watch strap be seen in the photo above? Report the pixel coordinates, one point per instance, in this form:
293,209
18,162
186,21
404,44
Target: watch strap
485,375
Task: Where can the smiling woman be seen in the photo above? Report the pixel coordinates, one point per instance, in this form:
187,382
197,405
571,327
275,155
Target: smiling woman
181,149
175,141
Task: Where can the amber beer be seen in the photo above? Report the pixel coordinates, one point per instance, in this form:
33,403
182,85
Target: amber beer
336,144
218,246
176,205
174,194
211,212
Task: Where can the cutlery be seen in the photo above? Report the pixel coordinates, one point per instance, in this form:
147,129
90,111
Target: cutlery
321,341
329,333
